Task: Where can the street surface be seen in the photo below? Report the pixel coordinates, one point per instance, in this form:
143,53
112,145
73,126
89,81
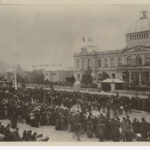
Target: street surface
54,135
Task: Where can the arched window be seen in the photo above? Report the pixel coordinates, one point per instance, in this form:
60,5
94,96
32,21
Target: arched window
125,76
82,62
138,60
130,61
105,62
89,62
112,61
120,61
113,75
99,62
78,63
148,60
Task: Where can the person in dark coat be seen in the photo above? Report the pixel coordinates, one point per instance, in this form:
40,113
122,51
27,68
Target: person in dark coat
43,118
144,128
101,132
77,129
24,135
77,126
101,128
130,135
115,133
48,116
14,117
32,119
57,123
108,127
34,136
136,126
62,122
89,129
37,119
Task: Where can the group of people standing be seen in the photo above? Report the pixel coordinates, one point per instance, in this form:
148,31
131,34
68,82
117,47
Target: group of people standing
7,133
81,113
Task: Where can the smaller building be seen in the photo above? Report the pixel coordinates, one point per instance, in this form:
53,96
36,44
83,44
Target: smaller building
57,73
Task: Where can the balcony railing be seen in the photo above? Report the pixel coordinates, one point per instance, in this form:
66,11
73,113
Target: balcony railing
133,66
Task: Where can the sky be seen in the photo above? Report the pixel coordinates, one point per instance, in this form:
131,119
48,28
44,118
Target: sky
51,34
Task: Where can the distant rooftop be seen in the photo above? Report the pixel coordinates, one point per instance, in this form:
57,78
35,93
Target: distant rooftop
47,67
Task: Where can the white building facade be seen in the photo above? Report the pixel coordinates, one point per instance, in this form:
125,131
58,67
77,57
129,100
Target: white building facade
131,64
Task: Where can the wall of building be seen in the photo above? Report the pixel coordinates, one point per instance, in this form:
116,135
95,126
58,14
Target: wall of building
58,76
138,39
131,64
115,64
62,75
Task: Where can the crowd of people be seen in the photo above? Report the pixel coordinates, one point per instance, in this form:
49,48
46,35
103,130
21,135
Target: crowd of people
7,133
93,115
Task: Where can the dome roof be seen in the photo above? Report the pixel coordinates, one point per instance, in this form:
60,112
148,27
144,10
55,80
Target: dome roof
142,24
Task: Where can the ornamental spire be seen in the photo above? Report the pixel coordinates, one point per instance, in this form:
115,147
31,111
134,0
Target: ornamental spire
143,14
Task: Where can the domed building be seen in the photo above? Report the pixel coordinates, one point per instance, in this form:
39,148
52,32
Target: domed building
139,32
131,64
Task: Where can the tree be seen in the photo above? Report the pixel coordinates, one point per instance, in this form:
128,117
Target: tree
46,81
70,80
21,80
37,76
87,78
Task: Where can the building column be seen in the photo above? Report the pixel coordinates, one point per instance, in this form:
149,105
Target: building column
120,76
112,87
129,77
140,79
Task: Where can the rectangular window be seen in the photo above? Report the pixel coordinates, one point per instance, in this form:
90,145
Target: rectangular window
99,62
134,37
83,63
130,37
77,63
144,36
147,35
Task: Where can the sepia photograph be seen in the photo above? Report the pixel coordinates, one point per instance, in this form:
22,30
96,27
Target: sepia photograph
74,73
